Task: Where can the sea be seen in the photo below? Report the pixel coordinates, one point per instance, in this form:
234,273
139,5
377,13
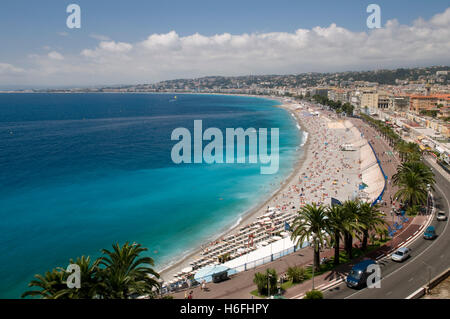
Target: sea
80,172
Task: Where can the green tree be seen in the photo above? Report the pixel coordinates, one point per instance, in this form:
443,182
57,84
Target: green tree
313,294
309,226
59,290
88,277
352,225
413,152
49,285
260,280
371,220
266,280
336,225
296,274
126,273
402,150
119,274
412,180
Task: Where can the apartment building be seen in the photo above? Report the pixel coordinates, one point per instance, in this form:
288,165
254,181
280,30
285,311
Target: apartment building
399,103
339,95
369,99
428,102
383,99
319,91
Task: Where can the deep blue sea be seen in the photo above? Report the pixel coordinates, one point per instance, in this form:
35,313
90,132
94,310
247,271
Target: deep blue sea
79,172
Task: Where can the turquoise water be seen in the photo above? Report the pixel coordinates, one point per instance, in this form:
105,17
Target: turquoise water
82,171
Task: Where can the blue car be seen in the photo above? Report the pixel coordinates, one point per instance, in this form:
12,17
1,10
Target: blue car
430,233
358,275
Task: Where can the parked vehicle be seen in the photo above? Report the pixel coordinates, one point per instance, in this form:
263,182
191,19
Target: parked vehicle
358,275
441,216
401,254
430,233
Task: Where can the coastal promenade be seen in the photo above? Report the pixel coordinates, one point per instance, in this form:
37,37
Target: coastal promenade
323,171
240,285
326,171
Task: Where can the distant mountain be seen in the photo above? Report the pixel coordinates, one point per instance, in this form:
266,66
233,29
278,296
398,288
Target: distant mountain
383,77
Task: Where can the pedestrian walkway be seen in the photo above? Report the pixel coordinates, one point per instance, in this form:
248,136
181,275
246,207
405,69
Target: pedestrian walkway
240,286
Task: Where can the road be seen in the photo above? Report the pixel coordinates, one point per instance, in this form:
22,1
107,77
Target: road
428,259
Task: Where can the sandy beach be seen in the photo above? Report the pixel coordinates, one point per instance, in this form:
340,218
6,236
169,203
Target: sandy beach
321,172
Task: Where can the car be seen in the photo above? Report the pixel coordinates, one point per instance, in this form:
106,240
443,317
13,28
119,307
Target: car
441,216
430,233
357,276
401,254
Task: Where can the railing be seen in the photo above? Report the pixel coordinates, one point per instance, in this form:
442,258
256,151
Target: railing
382,172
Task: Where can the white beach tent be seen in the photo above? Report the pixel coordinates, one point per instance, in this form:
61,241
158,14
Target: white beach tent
187,270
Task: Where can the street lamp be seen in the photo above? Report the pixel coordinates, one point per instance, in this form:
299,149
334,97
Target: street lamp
314,258
392,214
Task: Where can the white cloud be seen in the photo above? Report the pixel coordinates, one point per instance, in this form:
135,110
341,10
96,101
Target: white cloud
9,69
112,46
322,49
108,48
99,37
441,19
168,41
55,56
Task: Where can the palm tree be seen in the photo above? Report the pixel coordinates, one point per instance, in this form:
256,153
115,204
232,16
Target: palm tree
413,152
126,273
336,226
384,131
50,285
352,225
309,224
393,138
425,173
88,277
260,280
402,149
266,282
411,190
412,179
371,219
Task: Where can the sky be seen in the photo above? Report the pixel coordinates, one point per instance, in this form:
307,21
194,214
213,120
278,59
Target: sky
146,41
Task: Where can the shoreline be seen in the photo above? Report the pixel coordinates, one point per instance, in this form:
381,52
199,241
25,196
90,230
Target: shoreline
253,213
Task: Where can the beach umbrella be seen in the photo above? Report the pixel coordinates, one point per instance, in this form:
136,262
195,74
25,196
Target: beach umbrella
187,269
